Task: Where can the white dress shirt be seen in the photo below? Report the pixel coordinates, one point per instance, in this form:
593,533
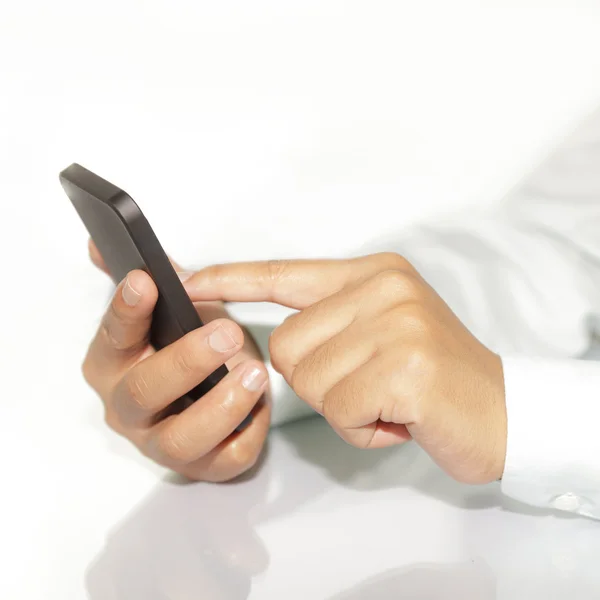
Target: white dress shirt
525,278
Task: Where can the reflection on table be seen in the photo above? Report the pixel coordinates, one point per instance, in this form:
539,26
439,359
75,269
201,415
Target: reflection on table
319,519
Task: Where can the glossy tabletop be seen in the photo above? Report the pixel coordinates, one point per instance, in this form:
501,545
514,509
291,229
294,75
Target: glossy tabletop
321,520
252,130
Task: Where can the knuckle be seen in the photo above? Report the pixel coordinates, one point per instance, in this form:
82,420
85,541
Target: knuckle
307,377
301,381
113,330
137,392
337,406
277,269
412,286
415,318
243,455
409,319
420,361
108,334
390,281
111,322
173,445
185,358
210,274
393,260
398,283
277,349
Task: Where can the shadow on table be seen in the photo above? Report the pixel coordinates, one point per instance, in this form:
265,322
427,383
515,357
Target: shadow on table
199,540
397,467
427,582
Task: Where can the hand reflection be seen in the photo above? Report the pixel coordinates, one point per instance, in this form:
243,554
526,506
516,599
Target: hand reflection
185,541
201,541
198,540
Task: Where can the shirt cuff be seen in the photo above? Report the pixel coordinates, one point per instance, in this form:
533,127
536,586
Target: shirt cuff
553,445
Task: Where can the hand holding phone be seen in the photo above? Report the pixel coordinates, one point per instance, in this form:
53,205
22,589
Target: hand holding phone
142,367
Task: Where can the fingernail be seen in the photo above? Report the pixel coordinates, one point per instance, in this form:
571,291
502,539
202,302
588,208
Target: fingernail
184,275
221,341
130,295
254,379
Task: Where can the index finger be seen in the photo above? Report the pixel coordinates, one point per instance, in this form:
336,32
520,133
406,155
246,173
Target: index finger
293,283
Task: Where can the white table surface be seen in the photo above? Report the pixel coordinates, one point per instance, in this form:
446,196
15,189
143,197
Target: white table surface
252,130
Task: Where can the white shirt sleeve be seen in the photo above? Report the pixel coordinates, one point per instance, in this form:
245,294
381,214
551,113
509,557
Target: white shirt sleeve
553,453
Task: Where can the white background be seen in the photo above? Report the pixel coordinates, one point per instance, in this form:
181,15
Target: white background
248,129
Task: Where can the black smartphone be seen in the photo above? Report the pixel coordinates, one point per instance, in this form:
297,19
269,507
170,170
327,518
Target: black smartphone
126,242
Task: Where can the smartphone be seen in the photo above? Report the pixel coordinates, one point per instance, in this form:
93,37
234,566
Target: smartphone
126,242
